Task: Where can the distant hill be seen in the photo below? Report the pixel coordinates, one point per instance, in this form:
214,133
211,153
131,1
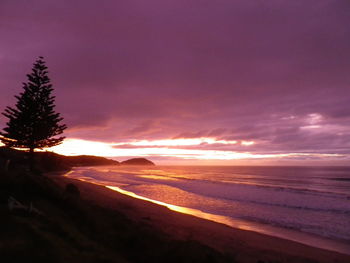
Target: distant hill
49,161
88,160
137,161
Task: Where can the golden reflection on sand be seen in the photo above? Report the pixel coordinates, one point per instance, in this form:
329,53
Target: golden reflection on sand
189,211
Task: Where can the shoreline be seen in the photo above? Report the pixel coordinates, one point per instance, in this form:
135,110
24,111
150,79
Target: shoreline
286,234
245,245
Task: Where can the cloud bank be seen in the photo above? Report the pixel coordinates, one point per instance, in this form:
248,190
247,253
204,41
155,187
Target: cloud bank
272,72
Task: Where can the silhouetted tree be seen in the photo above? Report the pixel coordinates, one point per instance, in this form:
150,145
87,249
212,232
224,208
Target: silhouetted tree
33,122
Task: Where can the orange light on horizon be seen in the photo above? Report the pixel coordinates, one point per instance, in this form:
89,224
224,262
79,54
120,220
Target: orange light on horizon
180,142
84,147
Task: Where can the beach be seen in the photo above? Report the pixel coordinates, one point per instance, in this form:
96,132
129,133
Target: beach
99,214
309,205
242,245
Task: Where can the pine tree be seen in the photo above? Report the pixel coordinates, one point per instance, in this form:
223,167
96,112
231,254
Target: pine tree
33,122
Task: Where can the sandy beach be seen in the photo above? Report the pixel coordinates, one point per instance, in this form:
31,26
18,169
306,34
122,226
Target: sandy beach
244,246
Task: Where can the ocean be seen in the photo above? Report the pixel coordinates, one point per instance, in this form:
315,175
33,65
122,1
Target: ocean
310,205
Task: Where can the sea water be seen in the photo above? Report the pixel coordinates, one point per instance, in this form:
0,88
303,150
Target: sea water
306,204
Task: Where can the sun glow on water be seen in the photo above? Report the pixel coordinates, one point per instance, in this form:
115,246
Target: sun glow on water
184,210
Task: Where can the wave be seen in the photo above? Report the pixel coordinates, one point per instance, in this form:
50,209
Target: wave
325,213
264,195
244,192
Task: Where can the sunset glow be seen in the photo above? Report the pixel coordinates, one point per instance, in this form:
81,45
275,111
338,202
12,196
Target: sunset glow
176,88
247,143
189,211
83,147
181,142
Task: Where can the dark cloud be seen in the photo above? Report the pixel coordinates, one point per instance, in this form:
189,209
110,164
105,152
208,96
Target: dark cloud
235,70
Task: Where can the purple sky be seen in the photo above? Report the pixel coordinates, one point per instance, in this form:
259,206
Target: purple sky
273,72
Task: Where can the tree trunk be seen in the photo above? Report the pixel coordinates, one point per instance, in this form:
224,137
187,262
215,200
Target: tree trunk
31,159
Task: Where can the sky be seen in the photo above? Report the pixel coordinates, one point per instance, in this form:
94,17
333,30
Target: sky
189,81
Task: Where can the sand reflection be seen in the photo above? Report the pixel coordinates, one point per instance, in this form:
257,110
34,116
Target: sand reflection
300,237
190,211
